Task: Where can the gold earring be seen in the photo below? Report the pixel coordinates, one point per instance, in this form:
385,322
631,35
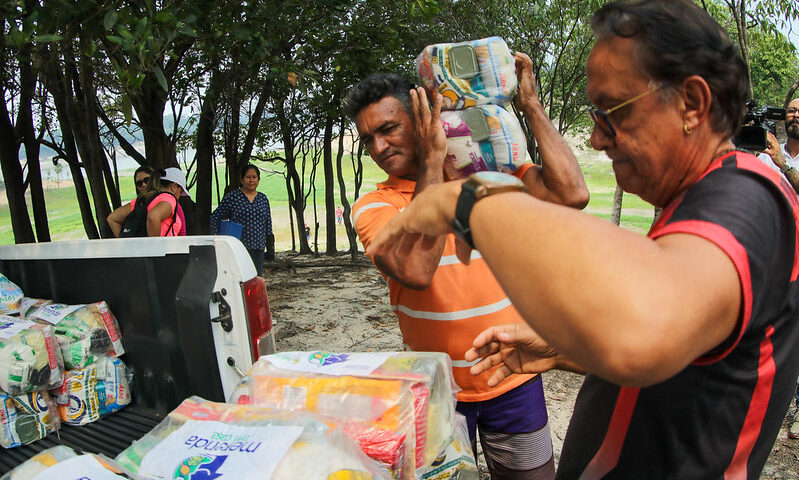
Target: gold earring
686,129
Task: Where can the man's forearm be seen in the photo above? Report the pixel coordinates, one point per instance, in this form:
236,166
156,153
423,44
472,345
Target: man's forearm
415,259
560,179
792,174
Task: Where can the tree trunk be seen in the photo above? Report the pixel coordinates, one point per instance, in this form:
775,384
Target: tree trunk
56,83
790,95
232,125
342,190
293,181
25,124
330,199
204,156
615,214
12,175
149,104
82,113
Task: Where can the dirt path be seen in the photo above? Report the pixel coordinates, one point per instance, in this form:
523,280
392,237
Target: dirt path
335,305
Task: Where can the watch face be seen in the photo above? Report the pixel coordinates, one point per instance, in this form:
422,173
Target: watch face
497,178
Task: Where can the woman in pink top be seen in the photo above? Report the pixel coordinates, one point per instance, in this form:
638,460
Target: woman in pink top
162,219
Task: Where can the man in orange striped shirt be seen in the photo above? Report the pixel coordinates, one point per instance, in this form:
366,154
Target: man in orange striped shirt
442,304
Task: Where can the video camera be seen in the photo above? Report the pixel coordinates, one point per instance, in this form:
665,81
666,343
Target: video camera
758,122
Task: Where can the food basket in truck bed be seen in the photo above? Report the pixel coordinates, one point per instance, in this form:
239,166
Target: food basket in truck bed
192,311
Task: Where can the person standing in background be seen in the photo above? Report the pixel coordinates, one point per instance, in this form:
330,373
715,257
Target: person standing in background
140,178
785,157
164,217
249,208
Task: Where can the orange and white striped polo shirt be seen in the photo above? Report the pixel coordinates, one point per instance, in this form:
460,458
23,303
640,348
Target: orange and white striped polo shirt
461,301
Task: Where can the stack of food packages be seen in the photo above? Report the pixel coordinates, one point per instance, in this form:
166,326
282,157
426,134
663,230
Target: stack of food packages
398,407
477,80
209,439
57,364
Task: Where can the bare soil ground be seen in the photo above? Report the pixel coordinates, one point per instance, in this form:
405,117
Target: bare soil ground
335,304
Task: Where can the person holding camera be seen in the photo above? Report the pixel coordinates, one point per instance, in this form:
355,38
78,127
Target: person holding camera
785,157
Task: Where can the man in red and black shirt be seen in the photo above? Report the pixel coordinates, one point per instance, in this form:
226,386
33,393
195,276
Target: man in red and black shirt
689,334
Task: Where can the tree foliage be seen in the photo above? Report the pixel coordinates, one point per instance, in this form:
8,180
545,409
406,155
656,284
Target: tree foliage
263,81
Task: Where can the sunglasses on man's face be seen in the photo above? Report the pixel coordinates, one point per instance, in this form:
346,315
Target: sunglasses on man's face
142,182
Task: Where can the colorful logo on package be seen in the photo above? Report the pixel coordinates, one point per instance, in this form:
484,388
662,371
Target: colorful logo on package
200,467
325,358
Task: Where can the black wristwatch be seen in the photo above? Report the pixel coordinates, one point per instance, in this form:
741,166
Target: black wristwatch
477,186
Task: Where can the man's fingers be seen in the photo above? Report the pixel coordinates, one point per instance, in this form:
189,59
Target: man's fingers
423,107
463,251
502,373
476,352
436,113
486,363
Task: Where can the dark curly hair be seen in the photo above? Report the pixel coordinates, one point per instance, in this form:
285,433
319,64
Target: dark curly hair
373,89
676,39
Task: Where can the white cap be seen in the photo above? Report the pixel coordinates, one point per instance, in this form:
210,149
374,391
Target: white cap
176,175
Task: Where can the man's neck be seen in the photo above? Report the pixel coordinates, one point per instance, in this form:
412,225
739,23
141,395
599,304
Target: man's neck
792,146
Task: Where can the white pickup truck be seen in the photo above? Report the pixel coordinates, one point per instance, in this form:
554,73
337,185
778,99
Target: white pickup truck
193,312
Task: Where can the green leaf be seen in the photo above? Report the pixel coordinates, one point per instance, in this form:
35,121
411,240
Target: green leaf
163,16
135,82
110,19
114,39
48,38
159,77
187,30
141,26
127,109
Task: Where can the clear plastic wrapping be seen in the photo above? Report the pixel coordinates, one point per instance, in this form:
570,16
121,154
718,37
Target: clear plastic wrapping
39,463
30,358
94,391
496,143
83,331
398,407
469,73
245,442
26,418
62,462
10,296
457,461
28,305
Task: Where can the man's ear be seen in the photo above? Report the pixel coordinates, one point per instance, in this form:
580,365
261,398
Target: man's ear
696,99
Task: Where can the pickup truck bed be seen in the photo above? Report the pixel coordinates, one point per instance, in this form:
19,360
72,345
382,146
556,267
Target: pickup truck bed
162,297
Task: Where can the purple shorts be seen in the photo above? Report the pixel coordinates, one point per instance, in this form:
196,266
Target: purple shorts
521,410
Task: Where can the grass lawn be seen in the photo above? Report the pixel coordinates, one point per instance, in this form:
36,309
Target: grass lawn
65,220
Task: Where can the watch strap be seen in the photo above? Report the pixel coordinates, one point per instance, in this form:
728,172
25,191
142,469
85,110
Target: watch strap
463,209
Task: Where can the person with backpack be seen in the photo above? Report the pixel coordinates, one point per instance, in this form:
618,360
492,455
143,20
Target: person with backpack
154,213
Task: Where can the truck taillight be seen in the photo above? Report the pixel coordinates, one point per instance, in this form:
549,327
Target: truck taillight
259,316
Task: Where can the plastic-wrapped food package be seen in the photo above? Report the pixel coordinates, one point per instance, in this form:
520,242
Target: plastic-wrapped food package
457,459
469,73
10,296
398,407
30,358
28,305
39,463
83,331
482,138
244,442
62,462
26,418
94,391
